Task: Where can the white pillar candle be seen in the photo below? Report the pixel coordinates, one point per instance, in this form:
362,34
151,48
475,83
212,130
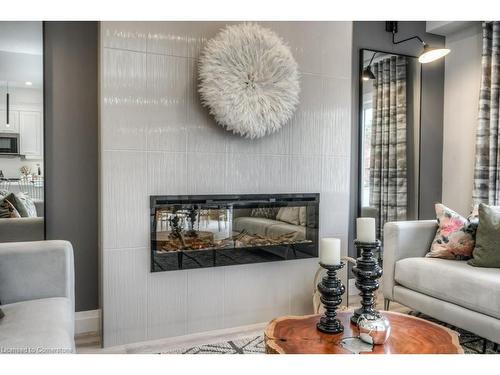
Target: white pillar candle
365,229
329,251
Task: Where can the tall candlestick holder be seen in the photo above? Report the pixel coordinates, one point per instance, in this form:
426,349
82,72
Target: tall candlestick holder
367,272
331,290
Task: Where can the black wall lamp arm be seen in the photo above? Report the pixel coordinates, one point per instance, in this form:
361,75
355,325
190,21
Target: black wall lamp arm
392,27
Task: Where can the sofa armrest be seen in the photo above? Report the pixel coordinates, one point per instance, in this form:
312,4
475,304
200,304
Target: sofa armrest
22,229
404,239
34,270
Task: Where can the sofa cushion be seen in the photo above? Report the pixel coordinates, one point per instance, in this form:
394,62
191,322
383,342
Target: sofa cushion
23,204
454,237
289,215
253,225
454,281
38,326
7,210
487,253
280,229
267,227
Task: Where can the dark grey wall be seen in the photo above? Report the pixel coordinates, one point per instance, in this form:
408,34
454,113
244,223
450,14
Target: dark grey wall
71,113
372,35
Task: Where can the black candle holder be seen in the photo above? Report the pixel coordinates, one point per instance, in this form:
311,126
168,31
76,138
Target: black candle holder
331,290
367,272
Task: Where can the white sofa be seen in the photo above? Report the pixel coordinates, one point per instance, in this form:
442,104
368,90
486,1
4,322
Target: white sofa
449,290
268,227
24,228
37,297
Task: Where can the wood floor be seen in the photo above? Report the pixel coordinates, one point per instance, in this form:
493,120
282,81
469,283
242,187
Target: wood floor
91,343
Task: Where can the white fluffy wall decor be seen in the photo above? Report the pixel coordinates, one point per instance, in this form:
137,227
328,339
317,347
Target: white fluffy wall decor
249,80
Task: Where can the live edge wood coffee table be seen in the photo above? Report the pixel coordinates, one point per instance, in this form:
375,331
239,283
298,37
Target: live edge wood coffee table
409,335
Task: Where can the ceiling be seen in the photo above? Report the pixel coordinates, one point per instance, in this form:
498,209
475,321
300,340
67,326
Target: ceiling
21,53
21,37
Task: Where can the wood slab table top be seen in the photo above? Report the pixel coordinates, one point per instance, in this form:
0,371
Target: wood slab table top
409,335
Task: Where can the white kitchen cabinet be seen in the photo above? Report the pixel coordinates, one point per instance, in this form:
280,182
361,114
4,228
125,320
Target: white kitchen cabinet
30,134
13,125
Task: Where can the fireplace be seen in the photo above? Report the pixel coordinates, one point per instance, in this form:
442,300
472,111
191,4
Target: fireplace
198,231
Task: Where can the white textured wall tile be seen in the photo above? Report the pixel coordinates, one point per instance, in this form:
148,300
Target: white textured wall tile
125,203
168,38
300,281
167,173
199,33
126,35
334,212
275,174
247,173
124,291
336,110
305,173
168,86
273,144
304,41
319,47
167,304
203,134
335,174
206,173
307,123
205,302
185,152
243,173
123,100
335,48
255,293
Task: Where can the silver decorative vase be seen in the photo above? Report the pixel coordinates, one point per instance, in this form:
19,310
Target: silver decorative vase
374,329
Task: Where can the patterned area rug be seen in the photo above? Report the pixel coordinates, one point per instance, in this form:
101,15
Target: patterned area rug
471,343
247,345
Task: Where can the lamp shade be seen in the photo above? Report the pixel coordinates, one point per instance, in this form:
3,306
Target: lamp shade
432,54
367,74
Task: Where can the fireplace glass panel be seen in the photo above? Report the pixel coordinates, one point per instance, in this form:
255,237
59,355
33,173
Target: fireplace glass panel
210,231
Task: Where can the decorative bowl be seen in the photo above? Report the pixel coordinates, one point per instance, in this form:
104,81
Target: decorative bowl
374,329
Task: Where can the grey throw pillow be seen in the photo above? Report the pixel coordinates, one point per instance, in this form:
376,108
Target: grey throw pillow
487,250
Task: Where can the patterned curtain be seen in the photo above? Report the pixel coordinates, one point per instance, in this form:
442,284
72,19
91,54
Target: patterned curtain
487,164
388,181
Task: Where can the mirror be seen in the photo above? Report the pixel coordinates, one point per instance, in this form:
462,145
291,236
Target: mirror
389,116
21,132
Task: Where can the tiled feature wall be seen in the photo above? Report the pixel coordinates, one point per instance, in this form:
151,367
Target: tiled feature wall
157,139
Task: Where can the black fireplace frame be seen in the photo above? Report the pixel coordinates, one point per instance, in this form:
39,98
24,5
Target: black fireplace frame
235,255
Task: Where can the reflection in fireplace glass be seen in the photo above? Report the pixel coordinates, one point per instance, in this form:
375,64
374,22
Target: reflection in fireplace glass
232,231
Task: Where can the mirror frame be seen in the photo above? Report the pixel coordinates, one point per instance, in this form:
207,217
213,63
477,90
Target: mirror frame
360,128
44,135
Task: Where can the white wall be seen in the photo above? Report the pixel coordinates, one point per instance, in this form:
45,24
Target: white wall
157,139
461,98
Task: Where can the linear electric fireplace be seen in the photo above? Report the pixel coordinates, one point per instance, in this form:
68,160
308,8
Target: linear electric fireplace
197,231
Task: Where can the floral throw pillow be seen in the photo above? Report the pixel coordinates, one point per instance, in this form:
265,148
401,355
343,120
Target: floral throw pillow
7,210
455,237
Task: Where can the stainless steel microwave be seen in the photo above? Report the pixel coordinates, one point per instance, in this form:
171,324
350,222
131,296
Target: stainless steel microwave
9,144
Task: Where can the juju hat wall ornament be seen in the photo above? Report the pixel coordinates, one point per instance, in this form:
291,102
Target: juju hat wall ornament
249,80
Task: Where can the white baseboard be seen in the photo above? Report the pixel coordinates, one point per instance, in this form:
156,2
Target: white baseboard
87,321
353,291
